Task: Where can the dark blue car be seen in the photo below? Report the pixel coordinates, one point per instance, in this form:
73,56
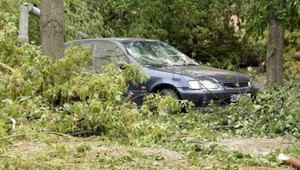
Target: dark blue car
171,72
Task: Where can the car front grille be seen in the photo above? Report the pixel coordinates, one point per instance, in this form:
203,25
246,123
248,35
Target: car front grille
236,85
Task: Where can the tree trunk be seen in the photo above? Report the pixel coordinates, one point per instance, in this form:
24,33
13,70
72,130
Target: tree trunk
275,50
52,28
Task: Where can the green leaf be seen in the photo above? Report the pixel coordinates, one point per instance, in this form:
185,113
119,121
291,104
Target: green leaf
228,76
118,98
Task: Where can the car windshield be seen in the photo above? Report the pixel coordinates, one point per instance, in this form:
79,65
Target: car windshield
157,53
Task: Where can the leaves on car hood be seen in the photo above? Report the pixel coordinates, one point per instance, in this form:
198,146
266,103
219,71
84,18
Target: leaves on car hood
205,72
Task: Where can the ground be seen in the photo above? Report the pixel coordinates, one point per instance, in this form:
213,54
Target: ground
255,146
90,153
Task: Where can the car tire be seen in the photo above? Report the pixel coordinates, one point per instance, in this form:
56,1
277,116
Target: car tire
171,93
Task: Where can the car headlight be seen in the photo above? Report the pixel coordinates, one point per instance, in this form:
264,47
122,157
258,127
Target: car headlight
250,84
202,84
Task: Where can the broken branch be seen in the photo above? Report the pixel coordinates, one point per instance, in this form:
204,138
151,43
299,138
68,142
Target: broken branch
7,67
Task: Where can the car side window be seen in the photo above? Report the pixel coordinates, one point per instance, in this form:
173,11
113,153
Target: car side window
105,52
86,45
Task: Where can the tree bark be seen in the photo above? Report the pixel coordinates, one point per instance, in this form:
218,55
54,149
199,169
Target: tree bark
52,28
275,49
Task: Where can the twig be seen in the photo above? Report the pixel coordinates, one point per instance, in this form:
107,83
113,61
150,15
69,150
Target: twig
48,133
7,67
129,97
14,122
226,127
79,121
87,132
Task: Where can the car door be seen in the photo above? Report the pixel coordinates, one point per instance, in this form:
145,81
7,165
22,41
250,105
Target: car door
107,52
104,52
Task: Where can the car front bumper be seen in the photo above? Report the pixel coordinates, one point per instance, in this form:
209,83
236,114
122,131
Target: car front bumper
202,98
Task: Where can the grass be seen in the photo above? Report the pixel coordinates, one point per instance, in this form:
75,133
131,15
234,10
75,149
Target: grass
52,151
85,153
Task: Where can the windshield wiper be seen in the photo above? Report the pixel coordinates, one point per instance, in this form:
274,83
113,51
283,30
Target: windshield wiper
190,64
159,65
184,65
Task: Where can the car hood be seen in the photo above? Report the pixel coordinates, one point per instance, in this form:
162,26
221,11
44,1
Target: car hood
204,72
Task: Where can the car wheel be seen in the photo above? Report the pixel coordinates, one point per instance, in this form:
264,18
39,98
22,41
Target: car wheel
171,93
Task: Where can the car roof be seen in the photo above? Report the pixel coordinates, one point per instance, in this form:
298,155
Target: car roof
110,39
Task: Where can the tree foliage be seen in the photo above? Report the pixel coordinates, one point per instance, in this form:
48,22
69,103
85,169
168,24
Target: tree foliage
256,13
184,24
277,15
62,96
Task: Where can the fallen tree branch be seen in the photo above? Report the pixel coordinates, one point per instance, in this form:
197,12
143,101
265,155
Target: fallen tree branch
84,133
78,122
129,97
47,133
7,67
226,127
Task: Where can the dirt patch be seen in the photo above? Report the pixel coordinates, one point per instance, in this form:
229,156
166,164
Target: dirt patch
156,157
255,146
26,147
169,154
244,145
121,151
156,153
